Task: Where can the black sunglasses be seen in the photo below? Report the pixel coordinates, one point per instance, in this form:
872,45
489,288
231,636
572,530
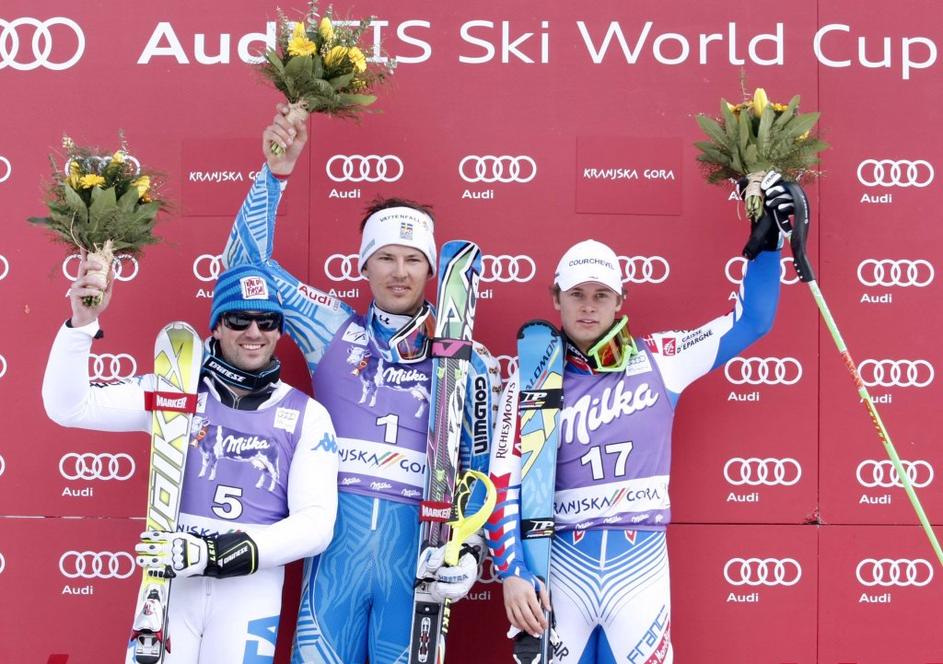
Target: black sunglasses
240,320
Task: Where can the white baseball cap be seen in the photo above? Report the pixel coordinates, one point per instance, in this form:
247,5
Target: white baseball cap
398,225
588,260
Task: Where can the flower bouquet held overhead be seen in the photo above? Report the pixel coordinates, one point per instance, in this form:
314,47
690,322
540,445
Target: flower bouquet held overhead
767,148
320,67
102,203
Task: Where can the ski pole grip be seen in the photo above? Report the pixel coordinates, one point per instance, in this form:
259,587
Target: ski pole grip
800,232
466,525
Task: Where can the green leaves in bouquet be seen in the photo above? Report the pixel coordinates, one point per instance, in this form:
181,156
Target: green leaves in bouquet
743,142
100,199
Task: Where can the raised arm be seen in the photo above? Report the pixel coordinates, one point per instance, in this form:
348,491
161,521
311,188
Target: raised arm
68,397
312,316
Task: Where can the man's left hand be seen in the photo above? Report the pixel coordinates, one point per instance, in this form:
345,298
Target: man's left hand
451,582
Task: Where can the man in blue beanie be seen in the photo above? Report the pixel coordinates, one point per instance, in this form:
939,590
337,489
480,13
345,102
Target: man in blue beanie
259,488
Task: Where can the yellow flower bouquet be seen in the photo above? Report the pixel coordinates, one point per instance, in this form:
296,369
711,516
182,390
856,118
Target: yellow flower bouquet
757,136
103,203
319,66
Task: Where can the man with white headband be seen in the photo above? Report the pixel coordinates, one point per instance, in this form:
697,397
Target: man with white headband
608,586
372,372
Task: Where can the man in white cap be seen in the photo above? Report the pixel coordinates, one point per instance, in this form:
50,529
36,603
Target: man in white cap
609,562
373,373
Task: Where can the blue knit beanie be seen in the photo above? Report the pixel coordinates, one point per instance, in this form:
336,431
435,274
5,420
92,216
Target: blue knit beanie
244,288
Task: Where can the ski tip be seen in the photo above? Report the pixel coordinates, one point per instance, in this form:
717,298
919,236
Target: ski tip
537,323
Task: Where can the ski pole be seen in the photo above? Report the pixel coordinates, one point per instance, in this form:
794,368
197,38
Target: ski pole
797,237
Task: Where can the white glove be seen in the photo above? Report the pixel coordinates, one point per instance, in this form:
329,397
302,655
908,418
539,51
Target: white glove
177,554
451,582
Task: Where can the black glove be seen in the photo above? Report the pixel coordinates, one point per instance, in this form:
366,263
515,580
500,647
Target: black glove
778,206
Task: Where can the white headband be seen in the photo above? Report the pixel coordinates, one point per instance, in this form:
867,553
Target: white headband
398,225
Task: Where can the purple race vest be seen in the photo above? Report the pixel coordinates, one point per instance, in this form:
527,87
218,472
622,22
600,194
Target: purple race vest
237,466
380,413
615,449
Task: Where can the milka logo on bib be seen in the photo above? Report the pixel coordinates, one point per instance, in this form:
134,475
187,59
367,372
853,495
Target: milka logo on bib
258,452
376,375
589,413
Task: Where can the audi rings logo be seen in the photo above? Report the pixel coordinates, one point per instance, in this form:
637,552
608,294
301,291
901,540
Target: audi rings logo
506,269
96,565
888,572
903,272
119,267
364,168
736,269
104,466
16,33
497,168
873,473
108,368
644,269
754,471
7,169
4,267
341,267
895,173
763,371
488,573
762,571
3,465
207,267
508,365
3,563
896,373
3,366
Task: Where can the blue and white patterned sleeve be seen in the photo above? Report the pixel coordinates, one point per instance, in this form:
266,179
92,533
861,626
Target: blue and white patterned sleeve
312,316
683,356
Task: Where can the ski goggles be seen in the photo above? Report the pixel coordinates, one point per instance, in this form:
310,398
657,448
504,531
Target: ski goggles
239,321
614,349
413,341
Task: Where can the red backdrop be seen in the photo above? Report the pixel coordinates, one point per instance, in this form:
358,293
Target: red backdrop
792,540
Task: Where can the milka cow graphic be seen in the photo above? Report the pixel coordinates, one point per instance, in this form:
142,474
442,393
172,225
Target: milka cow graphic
373,377
259,452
